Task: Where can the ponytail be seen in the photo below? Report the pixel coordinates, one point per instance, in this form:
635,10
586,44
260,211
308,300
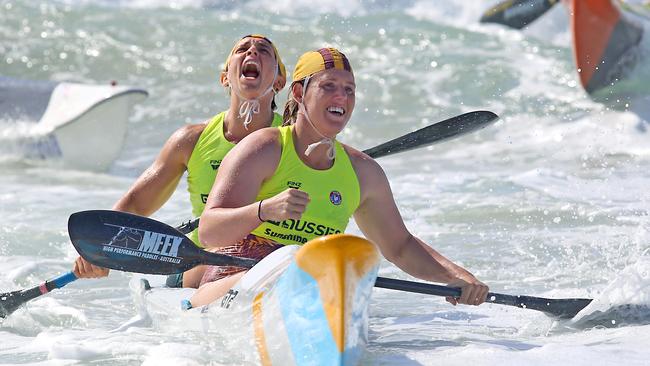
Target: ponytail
290,112
290,107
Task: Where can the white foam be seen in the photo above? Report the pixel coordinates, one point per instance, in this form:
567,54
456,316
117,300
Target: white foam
173,354
630,287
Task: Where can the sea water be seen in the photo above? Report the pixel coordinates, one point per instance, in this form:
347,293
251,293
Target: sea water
550,201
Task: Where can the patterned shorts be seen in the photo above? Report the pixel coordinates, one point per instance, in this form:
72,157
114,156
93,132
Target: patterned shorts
252,246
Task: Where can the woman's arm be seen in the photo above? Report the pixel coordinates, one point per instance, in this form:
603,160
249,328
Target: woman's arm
381,222
231,211
156,184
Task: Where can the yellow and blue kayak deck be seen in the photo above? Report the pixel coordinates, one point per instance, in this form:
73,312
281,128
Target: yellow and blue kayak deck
303,305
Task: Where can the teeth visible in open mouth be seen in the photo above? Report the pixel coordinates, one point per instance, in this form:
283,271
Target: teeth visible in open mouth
251,69
338,110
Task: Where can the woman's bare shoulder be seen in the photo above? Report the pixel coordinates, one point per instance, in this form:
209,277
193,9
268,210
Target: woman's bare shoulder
362,162
189,134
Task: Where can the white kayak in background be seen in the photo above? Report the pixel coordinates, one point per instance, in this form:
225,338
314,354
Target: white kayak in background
304,305
83,125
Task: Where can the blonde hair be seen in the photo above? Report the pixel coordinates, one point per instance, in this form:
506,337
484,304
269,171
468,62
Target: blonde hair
291,107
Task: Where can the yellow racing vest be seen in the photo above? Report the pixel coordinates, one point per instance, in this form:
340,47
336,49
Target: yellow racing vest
334,195
206,158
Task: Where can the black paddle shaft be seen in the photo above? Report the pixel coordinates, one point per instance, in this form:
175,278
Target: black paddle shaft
437,132
561,308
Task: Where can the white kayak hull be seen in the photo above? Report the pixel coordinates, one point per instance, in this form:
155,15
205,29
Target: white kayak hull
83,125
300,305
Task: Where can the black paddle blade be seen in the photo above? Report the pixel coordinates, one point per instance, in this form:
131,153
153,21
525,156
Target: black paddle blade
441,131
517,13
132,243
10,301
615,316
561,308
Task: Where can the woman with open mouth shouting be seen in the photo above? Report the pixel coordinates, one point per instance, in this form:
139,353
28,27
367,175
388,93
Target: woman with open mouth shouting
253,74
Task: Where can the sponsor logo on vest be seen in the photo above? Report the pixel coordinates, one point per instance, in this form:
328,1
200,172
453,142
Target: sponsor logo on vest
285,237
145,244
292,184
335,198
215,164
204,198
298,227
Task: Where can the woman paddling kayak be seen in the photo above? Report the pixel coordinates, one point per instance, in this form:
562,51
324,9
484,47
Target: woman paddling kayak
253,74
287,185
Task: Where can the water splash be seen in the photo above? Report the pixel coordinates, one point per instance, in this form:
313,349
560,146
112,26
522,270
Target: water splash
625,300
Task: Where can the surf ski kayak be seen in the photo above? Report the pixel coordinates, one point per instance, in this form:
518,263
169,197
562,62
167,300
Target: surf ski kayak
301,305
83,125
606,39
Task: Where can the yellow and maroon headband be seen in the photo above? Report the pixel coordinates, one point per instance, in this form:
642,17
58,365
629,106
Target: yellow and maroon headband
281,69
314,61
